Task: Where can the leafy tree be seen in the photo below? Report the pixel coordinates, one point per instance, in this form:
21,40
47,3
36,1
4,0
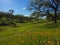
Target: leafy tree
19,18
11,11
5,18
36,15
46,6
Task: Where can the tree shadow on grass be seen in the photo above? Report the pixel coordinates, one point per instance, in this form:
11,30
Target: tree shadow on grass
52,25
8,24
2,29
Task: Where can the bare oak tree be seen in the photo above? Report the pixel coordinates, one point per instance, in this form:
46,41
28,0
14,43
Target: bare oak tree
50,6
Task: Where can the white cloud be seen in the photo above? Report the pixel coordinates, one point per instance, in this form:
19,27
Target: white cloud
26,15
24,8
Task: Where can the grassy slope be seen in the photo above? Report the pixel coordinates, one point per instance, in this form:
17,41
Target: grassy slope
30,34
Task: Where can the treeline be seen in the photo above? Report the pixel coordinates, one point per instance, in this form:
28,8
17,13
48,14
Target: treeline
45,16
7,18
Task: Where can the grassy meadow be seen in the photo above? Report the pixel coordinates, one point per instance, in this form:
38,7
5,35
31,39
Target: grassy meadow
30,34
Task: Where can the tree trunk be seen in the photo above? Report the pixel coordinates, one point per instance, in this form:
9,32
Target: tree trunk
55,17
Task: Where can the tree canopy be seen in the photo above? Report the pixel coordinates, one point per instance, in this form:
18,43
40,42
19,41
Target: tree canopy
46,6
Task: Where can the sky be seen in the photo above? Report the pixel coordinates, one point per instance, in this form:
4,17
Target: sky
19,6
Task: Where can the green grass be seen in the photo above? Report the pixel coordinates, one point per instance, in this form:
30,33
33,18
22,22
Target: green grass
30,34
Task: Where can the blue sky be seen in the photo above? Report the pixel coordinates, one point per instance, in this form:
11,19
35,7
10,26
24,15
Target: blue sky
19,6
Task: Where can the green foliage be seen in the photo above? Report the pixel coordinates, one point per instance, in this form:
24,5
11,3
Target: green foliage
8,18
49,18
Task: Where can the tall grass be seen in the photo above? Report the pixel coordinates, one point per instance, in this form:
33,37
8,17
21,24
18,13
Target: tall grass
31,34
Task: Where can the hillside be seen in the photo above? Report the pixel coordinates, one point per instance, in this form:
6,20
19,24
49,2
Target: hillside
30,34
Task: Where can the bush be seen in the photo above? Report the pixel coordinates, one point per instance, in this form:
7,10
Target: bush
7,23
